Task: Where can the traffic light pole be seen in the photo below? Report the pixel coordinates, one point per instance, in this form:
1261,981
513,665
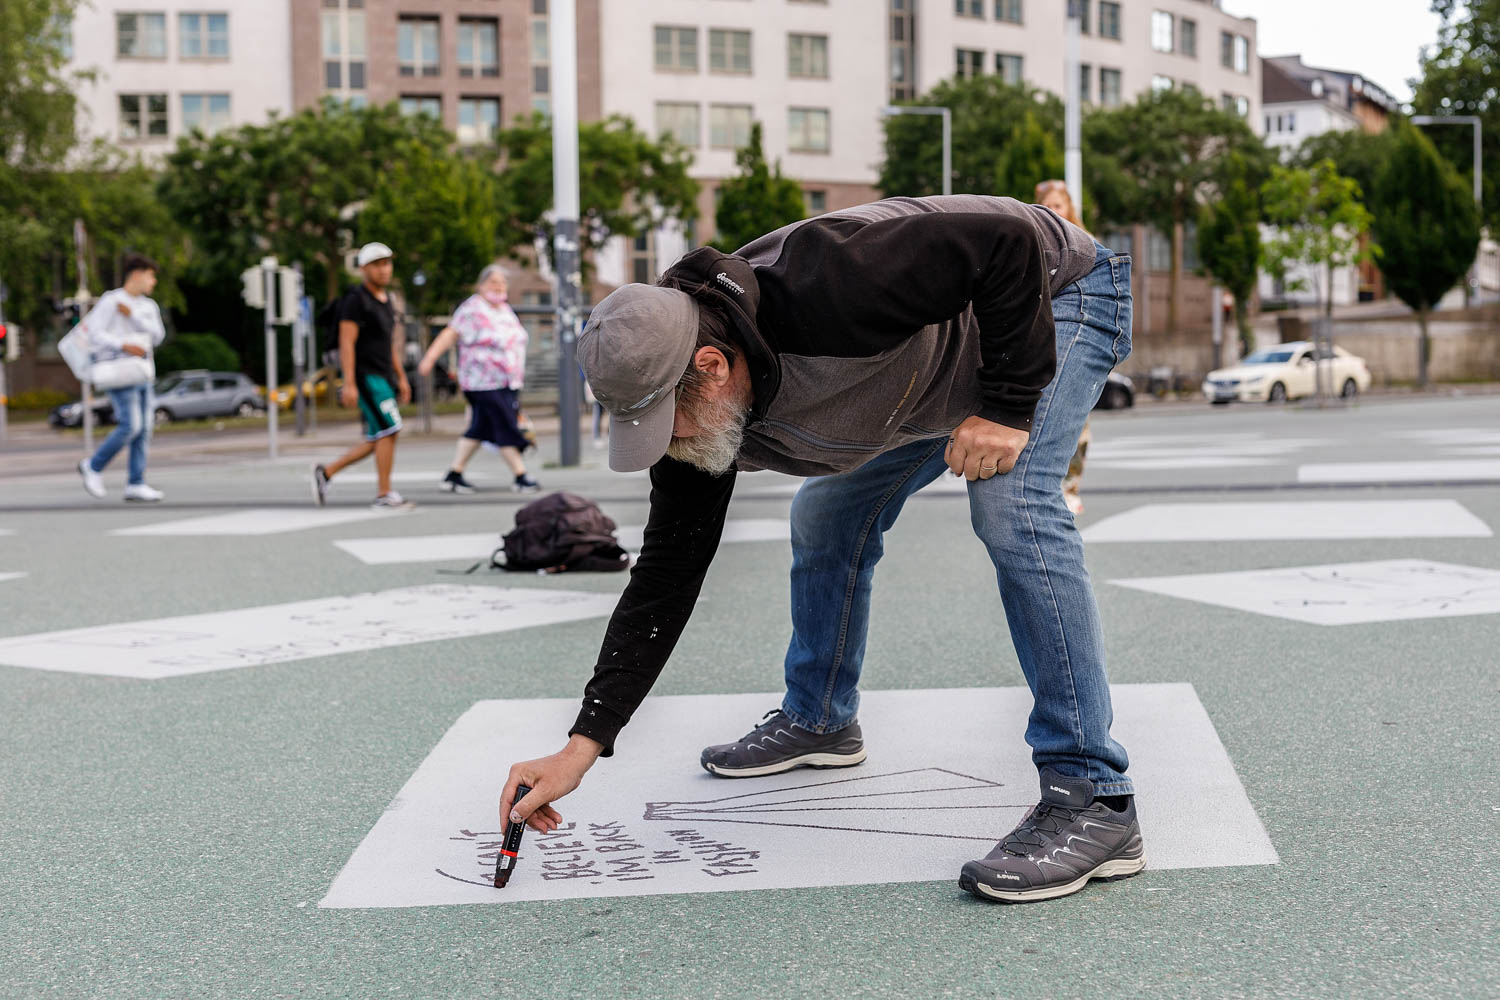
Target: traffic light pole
4,352
563,41
273,404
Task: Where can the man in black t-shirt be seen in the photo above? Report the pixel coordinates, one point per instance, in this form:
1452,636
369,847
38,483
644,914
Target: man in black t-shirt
370,347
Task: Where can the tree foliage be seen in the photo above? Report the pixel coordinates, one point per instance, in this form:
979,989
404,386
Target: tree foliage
1461,76
1318,218
1426,225
290,187
628,183
988,116
755,201
440,212
1229,238
1156,160
36,99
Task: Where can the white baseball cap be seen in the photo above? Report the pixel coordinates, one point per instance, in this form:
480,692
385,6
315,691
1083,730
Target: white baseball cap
371,252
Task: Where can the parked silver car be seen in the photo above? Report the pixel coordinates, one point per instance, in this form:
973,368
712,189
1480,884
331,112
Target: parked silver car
192,395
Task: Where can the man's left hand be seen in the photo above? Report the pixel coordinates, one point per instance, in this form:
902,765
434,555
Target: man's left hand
980,448
403,391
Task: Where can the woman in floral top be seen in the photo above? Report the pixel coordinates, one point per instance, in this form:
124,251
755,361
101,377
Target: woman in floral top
491,368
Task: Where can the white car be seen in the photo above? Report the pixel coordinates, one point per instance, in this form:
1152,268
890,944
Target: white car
1288,371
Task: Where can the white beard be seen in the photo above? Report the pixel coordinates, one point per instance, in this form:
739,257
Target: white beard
722,431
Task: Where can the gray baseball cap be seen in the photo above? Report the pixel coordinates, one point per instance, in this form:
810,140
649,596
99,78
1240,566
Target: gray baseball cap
636,346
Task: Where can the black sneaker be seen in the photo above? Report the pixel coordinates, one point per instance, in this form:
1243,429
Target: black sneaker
525,484
319,485
454,482
778,745
1065,840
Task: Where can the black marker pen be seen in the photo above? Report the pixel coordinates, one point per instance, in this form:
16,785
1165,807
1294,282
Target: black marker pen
505,861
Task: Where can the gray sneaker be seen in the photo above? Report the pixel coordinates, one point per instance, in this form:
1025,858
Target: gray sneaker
778,745
1065,840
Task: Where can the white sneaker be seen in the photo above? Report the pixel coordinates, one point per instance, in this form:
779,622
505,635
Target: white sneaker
141,493
93,483
392,501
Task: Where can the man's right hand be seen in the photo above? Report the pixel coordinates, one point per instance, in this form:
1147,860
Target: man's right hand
348,395
550,778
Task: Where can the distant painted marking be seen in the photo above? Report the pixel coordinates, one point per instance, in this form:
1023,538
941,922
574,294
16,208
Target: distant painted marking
1455,435
259,521
279,633
10,576
1343,593
1387,472
440,548
1207,522
1182,462
939,789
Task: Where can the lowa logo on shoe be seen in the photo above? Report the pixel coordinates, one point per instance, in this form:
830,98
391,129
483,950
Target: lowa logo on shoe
1060,791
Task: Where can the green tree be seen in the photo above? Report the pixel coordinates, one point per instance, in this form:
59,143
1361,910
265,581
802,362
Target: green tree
1229,238
435,264
628,183
987,115
1461,76
755,201
1318,217
1427,228
290,187
1031,156
1356,154
1155,160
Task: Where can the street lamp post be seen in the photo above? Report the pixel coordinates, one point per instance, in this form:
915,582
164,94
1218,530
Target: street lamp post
1473,284
947,116
1073,111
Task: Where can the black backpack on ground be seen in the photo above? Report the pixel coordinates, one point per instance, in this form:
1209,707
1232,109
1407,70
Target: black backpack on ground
563,530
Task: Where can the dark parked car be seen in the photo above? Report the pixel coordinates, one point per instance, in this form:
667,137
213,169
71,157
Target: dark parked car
1118,394
192,395
71,414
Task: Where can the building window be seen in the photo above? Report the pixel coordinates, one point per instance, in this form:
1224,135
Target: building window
680,121
143,116
815,202
417,46
807,130
141,36
1159,83
205,112
1239,105
728,126
1162,31
541,59
1187,37
677,48
1158,250
728,51
1009,67
203,36
968,8
478,46
478,119
344,51
970,63
1234,52
422,104
1008,10
1085,79
1109,88
1109,19
903,70
807,56
1083,14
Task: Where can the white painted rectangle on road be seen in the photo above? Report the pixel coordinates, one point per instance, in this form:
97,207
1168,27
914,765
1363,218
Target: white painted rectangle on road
278,633
1341,594
480,545
1461,470
258,521
948,775
11,576
1273,520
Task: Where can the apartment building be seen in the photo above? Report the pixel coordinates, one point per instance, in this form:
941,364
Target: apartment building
165,67
472,64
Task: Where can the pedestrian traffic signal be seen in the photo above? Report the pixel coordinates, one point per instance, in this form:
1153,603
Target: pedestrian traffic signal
254,291
10,342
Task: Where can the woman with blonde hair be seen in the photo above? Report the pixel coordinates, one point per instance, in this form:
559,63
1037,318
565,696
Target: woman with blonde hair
1053,194
491,369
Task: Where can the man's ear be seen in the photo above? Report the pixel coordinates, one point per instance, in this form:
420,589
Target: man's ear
712,362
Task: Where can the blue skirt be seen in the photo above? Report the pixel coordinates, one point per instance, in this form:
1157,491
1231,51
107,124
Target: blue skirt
492,417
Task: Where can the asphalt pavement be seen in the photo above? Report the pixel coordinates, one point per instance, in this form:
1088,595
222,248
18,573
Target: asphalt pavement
174,836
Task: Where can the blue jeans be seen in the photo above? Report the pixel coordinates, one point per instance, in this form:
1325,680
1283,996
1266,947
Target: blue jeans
838,523
134,408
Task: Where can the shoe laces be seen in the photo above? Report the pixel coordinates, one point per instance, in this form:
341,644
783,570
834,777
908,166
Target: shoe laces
766,721
1045,820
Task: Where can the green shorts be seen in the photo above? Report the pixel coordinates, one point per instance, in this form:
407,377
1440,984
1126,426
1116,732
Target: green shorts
378,406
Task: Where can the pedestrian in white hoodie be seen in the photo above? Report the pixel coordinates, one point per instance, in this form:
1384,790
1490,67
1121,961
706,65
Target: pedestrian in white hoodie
124,328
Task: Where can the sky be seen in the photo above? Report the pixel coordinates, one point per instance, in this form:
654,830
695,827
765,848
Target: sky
1346,35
